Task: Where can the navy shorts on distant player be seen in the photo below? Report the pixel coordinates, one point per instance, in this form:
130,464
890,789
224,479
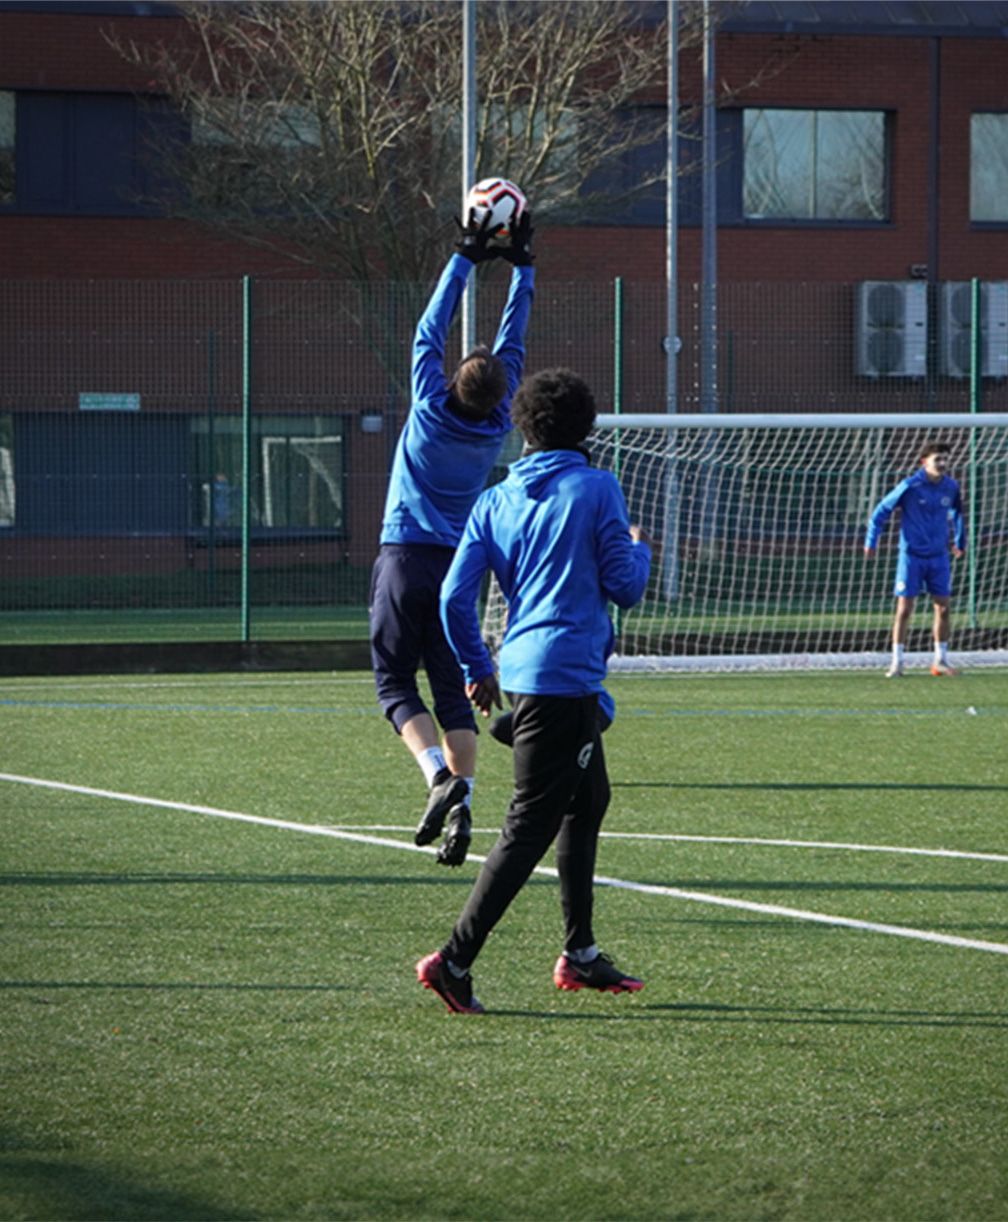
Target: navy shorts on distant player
916,573
406,634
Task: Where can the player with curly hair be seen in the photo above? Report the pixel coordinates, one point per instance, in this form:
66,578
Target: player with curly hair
556,535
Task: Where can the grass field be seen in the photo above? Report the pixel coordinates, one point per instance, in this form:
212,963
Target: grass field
204,1017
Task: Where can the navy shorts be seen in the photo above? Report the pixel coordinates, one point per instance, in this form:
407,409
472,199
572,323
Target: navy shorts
406,634
931,573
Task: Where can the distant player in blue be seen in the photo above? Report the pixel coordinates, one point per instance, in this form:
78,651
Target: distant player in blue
451,440
929,502
555,534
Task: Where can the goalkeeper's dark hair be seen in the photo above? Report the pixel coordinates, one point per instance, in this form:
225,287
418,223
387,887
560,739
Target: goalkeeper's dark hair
934,445
480,383
554,409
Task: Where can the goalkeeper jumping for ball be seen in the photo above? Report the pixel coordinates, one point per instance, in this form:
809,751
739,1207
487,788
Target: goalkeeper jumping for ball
555,534
928,501
451,440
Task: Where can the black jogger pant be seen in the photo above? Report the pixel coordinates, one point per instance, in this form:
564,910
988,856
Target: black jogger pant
561,791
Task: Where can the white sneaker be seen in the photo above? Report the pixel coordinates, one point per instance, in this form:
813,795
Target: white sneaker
895,671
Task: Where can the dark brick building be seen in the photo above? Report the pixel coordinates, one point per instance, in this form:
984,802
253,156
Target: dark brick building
862,178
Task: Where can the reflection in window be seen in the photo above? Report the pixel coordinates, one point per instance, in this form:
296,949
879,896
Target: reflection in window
989,167
248,151
6,471
7,129
815,165
296,466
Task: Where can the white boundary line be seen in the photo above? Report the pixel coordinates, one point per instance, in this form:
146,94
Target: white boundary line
682,836
699,897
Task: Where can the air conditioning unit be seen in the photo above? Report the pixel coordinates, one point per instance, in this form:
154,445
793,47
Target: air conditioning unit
956,333
891,329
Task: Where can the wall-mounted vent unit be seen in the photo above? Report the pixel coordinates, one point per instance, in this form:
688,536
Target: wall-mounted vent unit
956,332
891,329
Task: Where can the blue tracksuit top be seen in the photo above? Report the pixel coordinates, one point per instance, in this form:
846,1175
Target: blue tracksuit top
925,510
555,534
442,460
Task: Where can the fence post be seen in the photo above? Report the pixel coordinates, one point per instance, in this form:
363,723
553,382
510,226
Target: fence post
246,450
976,370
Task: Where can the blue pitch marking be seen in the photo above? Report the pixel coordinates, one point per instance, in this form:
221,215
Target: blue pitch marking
357,710
987,710
129,706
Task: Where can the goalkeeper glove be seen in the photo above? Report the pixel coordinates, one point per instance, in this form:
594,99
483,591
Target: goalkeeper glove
474,239
519,253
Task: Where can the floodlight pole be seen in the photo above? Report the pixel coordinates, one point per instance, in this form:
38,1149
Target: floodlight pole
468,157
669,526
672,208
708,284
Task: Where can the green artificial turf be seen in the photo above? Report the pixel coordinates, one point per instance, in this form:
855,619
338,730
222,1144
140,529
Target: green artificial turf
206,1018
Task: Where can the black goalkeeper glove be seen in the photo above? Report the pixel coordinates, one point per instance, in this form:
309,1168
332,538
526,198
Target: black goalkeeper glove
473,243
519,252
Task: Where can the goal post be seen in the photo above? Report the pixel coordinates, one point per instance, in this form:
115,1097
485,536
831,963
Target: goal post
760,523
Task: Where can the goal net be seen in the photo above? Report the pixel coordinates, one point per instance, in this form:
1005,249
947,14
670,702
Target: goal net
760,524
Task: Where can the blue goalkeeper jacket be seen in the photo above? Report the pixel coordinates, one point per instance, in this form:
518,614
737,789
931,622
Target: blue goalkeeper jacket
442,460
555,534
925,511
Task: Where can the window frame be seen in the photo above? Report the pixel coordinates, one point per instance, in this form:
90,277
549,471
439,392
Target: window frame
55,176
983,225
816,222
266,427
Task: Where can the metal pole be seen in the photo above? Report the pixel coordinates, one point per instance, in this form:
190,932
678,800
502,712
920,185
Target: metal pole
672,207
211,466
670,500
976,371
246,451
468,157
708,286
617,401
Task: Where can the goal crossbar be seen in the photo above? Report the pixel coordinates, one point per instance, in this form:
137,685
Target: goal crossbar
792,420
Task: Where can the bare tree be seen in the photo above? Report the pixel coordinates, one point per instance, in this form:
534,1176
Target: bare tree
331,130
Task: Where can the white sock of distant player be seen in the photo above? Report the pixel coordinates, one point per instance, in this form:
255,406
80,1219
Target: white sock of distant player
431,761
897,655
941,651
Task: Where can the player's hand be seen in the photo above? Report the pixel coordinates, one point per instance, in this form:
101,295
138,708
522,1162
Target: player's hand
519,251
485,694
958,552
473,243
640,535
869,553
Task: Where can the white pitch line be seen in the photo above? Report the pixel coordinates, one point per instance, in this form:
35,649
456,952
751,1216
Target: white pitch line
677,836
698,897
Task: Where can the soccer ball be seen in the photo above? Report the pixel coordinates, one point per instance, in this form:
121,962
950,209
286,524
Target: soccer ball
504,200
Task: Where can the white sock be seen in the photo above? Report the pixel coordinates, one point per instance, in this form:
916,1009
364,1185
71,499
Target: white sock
941,651
587,954
897,654
431,761
470,783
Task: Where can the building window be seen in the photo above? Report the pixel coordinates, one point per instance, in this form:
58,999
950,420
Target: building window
242,154
77,153
7,505
297,473
827,165
7,103
989,167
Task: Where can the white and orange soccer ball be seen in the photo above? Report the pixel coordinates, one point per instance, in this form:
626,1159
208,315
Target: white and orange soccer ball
504,200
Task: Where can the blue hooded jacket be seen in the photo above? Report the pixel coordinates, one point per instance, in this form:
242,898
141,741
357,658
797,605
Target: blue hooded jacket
555,533
442,460
925,510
